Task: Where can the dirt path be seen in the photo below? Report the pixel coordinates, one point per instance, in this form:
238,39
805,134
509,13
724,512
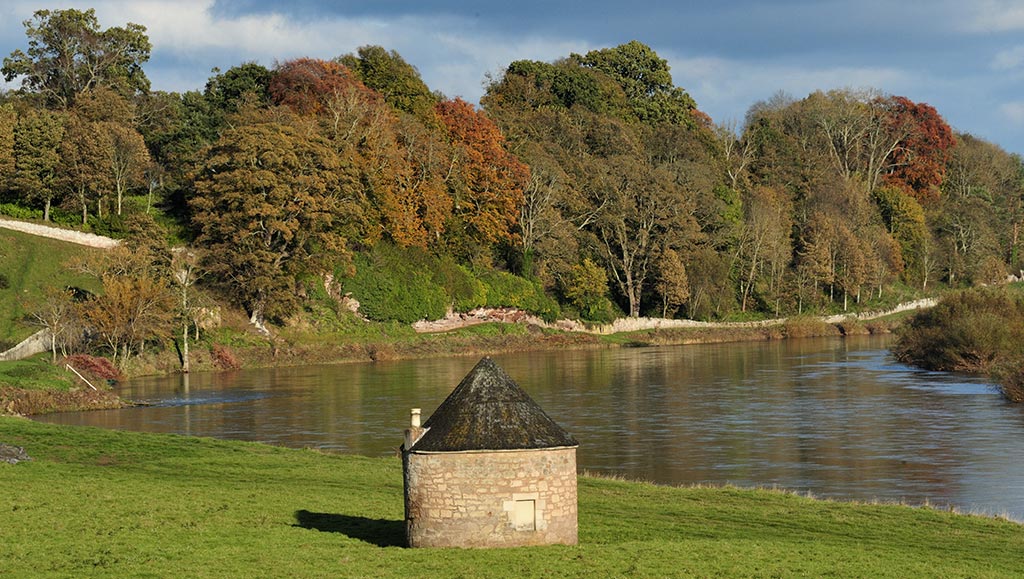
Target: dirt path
87,239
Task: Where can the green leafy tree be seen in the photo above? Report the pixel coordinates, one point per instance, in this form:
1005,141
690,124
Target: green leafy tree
246,83
395,79
38,138
905,220
586,288
83,164
69,54
8,122
644,77
266,199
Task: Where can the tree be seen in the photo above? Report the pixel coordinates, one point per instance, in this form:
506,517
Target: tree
673,284
905,221
265,205
919,162
127,158
487,181
56,313
68,54
38,138
83,169
8,122
644,77
644,213
396,80
131,311
185,274
765,246
586,288
306,85
245,83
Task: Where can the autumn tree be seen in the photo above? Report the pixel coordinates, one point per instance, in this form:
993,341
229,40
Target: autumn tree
904,219
130,311
127,159
487,181
765,249
265,204
306,85
69,54
673,284
919,162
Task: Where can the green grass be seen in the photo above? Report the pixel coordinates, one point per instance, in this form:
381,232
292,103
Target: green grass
115,504
36,373
31,263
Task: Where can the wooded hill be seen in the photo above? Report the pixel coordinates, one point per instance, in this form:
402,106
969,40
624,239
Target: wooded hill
591,186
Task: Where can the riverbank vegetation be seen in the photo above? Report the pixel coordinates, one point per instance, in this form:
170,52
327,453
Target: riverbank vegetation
590,188
979,331
95,502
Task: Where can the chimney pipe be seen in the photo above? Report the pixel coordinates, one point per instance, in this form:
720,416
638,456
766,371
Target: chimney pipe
415,431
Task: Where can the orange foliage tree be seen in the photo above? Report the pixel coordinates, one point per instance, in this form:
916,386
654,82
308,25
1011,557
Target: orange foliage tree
397,160
919,162
487,181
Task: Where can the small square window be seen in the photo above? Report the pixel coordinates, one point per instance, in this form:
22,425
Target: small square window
524,515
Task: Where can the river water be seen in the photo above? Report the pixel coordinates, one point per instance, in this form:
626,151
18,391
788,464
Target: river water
833,417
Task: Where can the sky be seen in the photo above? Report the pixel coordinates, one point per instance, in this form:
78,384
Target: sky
964,57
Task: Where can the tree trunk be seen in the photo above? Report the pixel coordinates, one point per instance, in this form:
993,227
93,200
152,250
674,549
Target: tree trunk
184,346
46,210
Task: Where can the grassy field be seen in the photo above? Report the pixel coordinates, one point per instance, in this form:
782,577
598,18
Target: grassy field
115,504
30,263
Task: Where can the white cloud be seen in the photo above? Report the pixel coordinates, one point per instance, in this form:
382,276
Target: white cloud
995,15
1013,111
725,88
1009,59
452,53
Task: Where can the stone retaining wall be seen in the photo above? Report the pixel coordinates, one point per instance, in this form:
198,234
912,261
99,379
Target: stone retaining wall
79,237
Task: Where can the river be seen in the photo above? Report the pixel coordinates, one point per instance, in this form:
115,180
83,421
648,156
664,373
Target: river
836,418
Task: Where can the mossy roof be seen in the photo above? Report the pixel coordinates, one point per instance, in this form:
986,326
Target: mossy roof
489,411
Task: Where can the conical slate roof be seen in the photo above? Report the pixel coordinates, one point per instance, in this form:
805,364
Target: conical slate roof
489,411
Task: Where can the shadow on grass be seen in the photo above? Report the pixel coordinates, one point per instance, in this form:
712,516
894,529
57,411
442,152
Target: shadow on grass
380,532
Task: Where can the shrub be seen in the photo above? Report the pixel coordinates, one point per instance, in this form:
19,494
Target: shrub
808,327
19,212
507,290
466,292
94,366
389,287
224,358
976,330
4,282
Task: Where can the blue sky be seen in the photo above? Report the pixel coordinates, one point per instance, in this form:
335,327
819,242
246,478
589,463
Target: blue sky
964,57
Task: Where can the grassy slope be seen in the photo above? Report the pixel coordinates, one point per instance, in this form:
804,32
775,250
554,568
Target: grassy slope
105,503
31,263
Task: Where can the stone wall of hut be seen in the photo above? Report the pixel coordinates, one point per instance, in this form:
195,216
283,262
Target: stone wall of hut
491,498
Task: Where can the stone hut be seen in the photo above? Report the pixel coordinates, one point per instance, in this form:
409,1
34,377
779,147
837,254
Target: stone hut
489,469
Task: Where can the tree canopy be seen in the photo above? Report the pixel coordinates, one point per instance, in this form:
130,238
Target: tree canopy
69,54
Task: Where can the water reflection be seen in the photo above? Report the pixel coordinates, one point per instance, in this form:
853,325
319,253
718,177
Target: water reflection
835,417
